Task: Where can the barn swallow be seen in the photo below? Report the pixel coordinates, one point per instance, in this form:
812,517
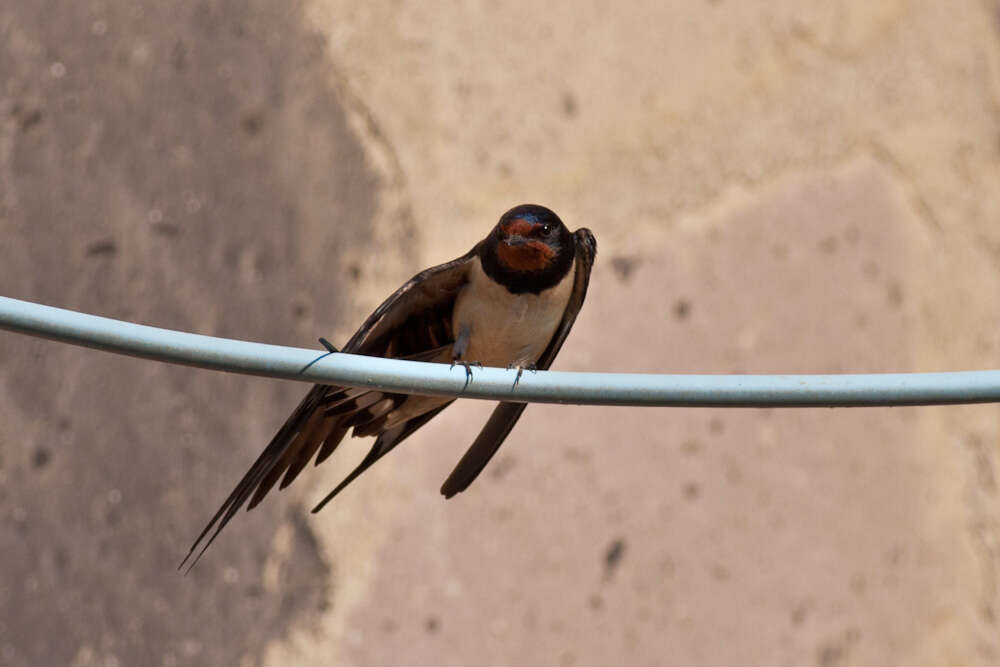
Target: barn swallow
510,301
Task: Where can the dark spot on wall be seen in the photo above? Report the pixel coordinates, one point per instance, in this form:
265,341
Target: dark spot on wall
719,572
894,294
112,516
432,625
505,513
27,118
569,104
798,615
178,56
60,556
166,229
896,555
691,447
502,466
576,455
682,309
829,655
264,261
102,248
624,266
613,556
41,457
252,122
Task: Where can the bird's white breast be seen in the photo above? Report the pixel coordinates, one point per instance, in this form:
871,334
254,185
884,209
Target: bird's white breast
508,329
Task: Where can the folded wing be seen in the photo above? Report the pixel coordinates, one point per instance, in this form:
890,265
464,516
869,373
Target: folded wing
413,323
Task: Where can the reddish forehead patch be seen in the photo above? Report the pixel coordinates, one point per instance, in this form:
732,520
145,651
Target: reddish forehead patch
530,256
518,226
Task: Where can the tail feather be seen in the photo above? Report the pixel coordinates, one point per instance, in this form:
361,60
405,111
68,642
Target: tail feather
303,440
371,420
383,445
261,467
316,428
353,403
304,454
330,444
279,454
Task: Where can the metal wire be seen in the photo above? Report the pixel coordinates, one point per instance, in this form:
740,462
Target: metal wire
637,389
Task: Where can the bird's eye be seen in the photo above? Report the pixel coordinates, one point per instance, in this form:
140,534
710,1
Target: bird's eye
546,229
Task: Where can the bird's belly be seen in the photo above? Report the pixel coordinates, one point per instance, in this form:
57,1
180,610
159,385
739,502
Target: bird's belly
518,338
504,328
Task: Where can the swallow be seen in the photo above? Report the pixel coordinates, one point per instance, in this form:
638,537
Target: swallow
510,301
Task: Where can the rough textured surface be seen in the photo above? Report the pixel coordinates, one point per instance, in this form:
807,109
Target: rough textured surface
796,186
775,186
179,166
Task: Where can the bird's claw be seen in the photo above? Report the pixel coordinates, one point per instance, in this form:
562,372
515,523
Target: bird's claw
467,365
520,370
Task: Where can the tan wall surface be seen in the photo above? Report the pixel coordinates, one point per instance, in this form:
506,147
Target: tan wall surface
774,186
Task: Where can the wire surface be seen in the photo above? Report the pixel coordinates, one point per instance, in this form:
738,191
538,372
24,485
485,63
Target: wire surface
636,389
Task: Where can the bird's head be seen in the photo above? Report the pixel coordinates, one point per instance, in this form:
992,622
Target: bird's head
529,250
529,238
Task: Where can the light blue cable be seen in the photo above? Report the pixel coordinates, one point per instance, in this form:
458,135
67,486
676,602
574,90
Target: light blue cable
638,389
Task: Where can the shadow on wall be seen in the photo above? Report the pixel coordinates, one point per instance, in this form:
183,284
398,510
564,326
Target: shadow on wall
182,165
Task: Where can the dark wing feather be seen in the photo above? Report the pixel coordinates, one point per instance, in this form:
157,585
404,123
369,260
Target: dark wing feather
416,317
261,467
383,445
506,415
414,322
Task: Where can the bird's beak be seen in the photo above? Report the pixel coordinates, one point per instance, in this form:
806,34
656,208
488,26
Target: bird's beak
515,232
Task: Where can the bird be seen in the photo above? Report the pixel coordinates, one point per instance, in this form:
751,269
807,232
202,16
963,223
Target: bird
510,301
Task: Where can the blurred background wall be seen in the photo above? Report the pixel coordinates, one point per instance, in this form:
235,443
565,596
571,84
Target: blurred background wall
775,187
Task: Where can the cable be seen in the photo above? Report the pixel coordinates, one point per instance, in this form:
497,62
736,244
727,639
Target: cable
637,389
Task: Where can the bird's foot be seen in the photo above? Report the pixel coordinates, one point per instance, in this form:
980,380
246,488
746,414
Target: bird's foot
520,370
468,368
